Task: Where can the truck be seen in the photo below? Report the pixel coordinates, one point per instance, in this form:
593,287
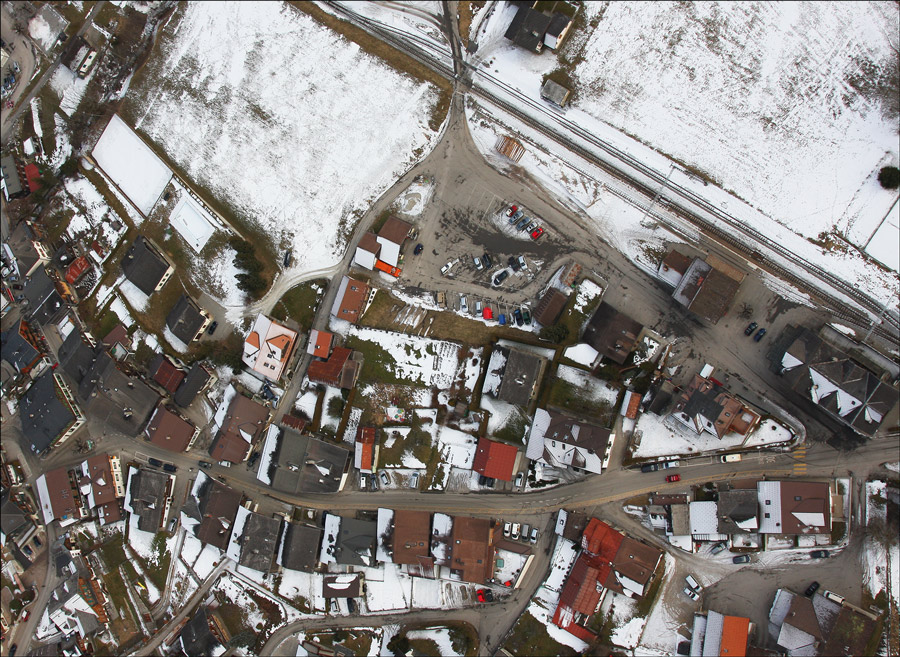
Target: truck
388,269
440,299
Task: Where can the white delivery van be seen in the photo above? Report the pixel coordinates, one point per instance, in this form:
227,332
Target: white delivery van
730,458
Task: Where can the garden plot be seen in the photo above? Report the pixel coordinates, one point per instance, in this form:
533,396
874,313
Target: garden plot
590,387
432,363
441,638
288,96
92,218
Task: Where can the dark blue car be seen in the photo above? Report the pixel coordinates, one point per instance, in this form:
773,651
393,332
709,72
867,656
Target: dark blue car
759,334
418,249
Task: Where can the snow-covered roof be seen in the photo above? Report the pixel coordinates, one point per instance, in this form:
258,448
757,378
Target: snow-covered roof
769,496
704,518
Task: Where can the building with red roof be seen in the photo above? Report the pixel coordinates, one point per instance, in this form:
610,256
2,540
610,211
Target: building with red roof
366,458
339,371
33,176
319,343
170,431
164,372
350,301
495,460
76,269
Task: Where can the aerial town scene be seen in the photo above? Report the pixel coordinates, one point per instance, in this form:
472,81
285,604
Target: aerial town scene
432,328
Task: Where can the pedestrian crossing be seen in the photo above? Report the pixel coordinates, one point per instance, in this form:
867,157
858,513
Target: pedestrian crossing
799,461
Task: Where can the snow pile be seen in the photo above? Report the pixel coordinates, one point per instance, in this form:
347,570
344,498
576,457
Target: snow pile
293,97
588,290
542,607
582,353
387,588
419,360
413,201
306,403
220,274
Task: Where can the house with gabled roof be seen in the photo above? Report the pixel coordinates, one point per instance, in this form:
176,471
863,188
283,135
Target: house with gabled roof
468,553
212,507
319,343
794,507
259,541
514,375
350,300
241,427
717,634
49,413
495,460
20,347
367,250
391,237
550,307
562,441
146,266
612,333
148,496
170,431
708,287
58,497
706,406
406,540
165,373
198,380
187,320
366,450
300,548
340,370
99,479
268,348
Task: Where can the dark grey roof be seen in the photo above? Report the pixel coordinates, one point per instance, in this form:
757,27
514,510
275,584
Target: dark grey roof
258,542
520,377
51,310
193,383
21,243
304,464
143,266
528,28
301,547
588,435
16,350
11,176
356,542
196,639
44,414
40,290
184,319
12,519
737,506
148,498
612,333
557,24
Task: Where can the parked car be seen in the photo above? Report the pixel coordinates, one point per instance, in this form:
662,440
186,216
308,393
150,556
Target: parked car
502,319
288,256
811,589
384,478
156,463
168,467
480,595
172,524
516,216
517,315
752,327
513,263
418,249
225,464
478,307
507,528
730,458
463,303
486,259
741,558
521,261
537,232
27,551
520,479
671,464
12,649
212,328
37,542
534,535
511,210
673,478
446,268
477,261
718,547
759,335
650,467
500,277
363,481
819,554
414,480
526,316
515,531
206,465
25,615
693,595
692,583
254,457
522,223
531,226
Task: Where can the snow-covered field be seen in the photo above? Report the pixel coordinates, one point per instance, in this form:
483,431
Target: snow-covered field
881,563
433,363
591,387
281,119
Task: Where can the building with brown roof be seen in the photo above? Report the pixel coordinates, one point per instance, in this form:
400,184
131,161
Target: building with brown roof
673,267
613,334
391,237
562,441
164,372
342,585
213,507
410,542
339,371
101,485
367,250
243,424
319,343
550,307
118,342
350,301
495,459
148,497
794,507
366,454
170,431
472,550
706,406
58,497
708,288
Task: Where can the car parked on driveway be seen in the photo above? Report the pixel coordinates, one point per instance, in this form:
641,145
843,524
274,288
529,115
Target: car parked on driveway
673,478
513,262
516,216
507,528
650,467
463,303
741,558
537,232
517,315
522,223
759,335
520,479
384,478
212,328
811,589
752,327
486,259
534,535
500,277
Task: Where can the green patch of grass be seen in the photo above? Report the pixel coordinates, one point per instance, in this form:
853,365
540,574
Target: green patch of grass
115,587
378,365
232,615
300,303
426,647
358,642
416,441
530,637
113,551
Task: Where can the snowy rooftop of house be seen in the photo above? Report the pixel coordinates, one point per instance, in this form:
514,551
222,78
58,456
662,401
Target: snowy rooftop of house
193,222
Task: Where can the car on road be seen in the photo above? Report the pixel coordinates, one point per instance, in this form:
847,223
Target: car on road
692,583
515,531
693,595
156,463
811,589
650,467
819,554
673,478
516,216
759,335
486,259
212,328
526,316
741,558
500,277
384,478
511,210
534,535
517,315
418,249
206,465
507,528
12,649
522,223
752,327
25,615
730,458
537,232
221,478
718,547
477,262
463,303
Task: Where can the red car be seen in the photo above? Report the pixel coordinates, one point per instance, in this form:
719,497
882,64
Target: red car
673,478
480,594
511,210
537,232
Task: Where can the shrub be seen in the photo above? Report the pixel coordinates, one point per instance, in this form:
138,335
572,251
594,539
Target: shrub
889,177
556,333
335,406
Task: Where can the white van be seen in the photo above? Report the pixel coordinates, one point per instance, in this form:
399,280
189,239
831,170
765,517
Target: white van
730,458
515,531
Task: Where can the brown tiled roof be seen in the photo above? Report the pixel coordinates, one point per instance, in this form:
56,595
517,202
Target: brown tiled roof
218,507
100,475
495,459
168,430
243,413
550,306
677,262
118,334
715,295
369,242
320,343
395,230
353,299
62,500
166,374
814,497
294,422
612,333
329,371
636,561
412,533
472,552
